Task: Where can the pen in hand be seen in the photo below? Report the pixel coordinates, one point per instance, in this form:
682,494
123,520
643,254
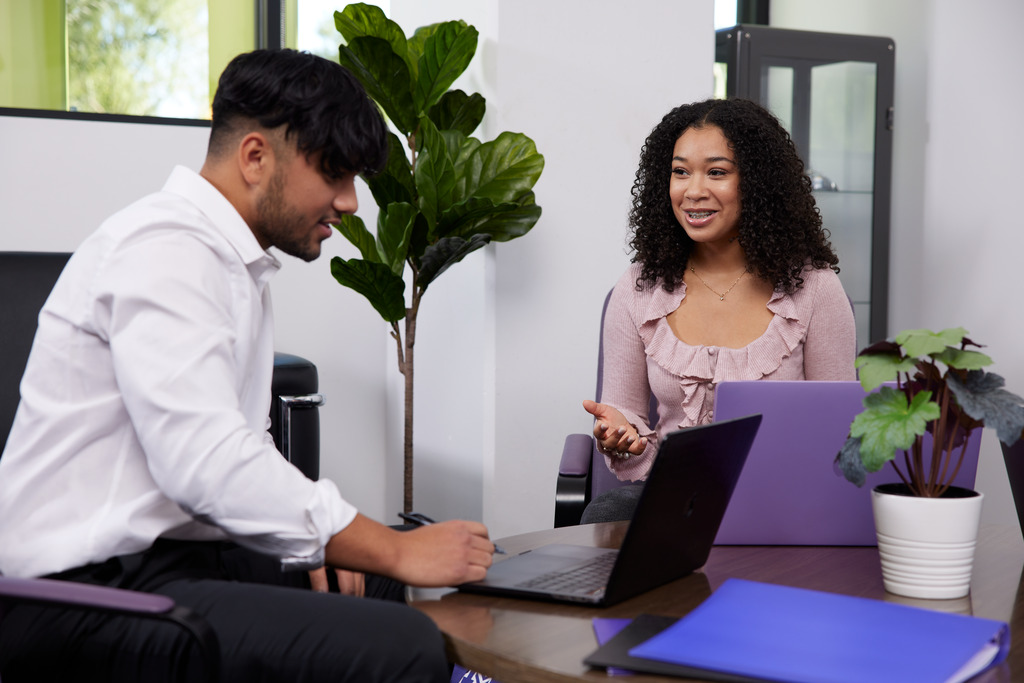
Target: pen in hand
420,519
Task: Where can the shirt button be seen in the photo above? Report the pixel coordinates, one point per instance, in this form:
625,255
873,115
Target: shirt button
712,351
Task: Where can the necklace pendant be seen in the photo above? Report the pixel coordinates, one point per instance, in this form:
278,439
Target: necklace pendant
721,298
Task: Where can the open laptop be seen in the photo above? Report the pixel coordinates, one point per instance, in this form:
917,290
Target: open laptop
676,519
791,492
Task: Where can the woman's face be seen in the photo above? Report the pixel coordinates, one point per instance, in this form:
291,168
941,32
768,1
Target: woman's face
705,185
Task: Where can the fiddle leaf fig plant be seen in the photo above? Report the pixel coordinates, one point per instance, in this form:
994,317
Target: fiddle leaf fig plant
443,194
940,389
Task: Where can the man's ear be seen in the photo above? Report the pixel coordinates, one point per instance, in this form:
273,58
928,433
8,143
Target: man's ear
255,158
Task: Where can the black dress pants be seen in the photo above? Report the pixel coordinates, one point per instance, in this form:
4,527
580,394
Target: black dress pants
270,626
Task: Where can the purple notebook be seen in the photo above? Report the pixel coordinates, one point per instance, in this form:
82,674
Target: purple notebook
790,491
781,633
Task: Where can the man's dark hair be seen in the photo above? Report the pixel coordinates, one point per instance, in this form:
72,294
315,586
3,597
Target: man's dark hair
323,107
780,227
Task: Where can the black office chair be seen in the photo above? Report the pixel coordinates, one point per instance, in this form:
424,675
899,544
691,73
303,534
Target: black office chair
26,279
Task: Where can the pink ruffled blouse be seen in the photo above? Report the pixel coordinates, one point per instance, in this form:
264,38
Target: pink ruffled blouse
812,336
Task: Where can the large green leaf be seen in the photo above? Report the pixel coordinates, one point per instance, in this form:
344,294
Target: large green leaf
390,188
385,76
888,424
434,174
393,184
446,54
354,230
454,142
359,19
416,43
420,239
383,289
502,222
394,230
963,360
516,222
919,343
458,111
503,169
878,368
445,253
462,219
465,163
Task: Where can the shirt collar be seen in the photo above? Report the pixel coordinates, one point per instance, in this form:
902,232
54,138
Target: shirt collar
225,219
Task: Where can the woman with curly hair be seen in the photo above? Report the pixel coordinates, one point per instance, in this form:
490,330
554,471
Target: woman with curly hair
733,279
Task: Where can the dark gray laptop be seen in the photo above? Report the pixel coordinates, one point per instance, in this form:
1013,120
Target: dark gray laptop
673,528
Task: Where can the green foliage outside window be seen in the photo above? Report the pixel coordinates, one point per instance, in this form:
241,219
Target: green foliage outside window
136,57
147,57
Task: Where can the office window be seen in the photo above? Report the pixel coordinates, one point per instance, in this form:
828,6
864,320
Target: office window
315,30
139,57
145,57
725,13
135,57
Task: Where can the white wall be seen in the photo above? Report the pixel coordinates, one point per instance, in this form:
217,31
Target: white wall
588,80
972,215
956,227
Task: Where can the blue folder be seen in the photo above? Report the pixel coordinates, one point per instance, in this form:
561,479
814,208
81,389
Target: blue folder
781,633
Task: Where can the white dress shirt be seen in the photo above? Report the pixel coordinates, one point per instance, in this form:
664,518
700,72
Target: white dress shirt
145,403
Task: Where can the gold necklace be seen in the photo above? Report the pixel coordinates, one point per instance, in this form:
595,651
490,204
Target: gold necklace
720,295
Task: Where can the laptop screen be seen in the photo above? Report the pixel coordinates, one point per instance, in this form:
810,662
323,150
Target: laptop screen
791,492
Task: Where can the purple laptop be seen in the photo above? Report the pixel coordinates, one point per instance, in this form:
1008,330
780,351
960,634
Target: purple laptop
790,491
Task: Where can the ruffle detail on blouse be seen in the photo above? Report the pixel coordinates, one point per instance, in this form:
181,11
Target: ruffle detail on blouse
699,366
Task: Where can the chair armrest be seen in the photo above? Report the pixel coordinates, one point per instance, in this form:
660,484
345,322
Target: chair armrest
576,455
132,603
572,490
52,591
294,415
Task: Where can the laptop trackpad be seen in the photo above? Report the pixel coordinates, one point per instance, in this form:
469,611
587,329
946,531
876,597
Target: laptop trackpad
533,563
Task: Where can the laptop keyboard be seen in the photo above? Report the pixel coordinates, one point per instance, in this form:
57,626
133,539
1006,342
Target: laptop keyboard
585,578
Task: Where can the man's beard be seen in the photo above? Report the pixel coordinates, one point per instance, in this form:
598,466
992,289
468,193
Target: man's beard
281,225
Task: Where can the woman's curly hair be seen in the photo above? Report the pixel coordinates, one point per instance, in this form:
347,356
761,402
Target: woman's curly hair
779,227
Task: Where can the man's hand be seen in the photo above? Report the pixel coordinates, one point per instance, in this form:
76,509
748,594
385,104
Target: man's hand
442,554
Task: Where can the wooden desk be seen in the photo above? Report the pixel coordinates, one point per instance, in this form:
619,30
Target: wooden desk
523,641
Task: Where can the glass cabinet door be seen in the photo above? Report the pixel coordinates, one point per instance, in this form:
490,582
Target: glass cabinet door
834,94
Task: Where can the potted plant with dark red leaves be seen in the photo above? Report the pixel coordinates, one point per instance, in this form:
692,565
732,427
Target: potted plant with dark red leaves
933,396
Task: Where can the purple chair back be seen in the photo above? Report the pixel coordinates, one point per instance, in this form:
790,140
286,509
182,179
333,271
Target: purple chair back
601,478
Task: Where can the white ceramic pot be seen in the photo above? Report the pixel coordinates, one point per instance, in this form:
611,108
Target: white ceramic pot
926,545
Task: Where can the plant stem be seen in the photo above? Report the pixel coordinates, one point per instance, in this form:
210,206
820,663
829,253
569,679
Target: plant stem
407,372
959,462
939,444
406,357
916,468
899,472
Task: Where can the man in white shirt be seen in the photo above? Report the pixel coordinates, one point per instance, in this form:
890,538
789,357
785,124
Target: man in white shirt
139,456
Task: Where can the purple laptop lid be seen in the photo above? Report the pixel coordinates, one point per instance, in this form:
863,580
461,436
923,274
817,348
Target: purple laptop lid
790,491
